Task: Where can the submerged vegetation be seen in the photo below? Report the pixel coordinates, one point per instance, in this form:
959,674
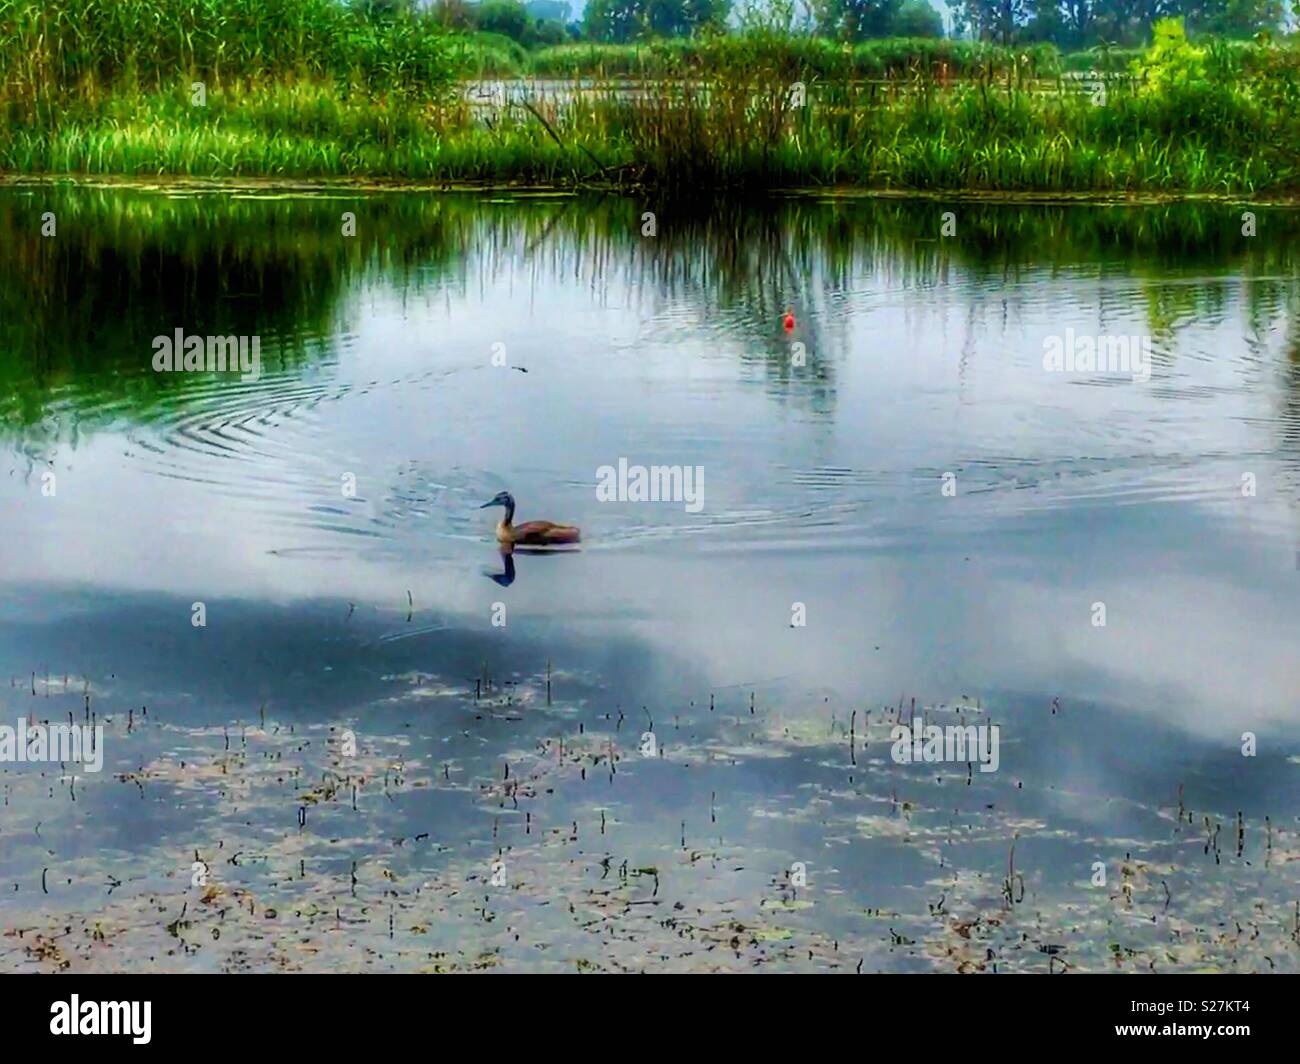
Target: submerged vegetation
314,88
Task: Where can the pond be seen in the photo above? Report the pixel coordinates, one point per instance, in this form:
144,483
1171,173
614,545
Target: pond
341,730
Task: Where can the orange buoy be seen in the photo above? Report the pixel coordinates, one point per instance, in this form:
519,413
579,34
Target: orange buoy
788,320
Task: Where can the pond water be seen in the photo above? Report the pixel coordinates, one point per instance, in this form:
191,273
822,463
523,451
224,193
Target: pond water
342,731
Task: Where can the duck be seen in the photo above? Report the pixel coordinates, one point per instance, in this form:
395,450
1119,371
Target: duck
530,533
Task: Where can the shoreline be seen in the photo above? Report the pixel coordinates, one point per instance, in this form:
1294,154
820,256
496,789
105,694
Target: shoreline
530,190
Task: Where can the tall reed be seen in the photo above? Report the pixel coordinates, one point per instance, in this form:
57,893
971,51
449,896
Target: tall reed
56,51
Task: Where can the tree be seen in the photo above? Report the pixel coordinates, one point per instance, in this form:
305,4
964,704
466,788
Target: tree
996,20
855,20
625,20
545,31
1078,19
1171,61
1073,24
916,18
780,17
516,20
612,20
506,17
1047,23
454,14
1233,18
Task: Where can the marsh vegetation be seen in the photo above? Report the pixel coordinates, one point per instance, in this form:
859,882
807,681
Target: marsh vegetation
319,89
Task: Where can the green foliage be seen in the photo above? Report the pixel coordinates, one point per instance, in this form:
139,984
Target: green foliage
1233,18
996,20
916,18
736,129
479,54
1171,62
531,24
1102,59
54,52
612,21
797,57
506,17
383,9
1077,24
315,88
619,21
855,20
770,16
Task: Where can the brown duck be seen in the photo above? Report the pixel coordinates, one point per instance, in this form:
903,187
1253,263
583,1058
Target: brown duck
530,533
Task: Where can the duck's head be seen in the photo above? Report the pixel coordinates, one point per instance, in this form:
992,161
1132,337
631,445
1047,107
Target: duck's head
501,498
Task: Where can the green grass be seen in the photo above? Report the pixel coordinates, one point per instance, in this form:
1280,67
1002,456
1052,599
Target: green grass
308,88
1119,60
977,137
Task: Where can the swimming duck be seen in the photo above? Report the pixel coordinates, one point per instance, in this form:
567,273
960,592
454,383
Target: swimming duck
530,533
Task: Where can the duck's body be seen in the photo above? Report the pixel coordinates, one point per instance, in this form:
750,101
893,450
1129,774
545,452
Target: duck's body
530,533
536,534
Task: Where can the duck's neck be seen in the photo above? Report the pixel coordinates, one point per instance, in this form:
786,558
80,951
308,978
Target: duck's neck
510,515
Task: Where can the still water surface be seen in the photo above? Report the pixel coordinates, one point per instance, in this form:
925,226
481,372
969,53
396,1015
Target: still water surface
1174,502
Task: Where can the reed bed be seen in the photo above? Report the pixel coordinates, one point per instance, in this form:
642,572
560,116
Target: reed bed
56,53
1214,139
308,88
803,56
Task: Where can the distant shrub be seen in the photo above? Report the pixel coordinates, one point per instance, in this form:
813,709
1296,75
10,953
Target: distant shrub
1171,61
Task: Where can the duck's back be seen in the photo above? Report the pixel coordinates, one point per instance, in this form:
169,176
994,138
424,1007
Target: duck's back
545,532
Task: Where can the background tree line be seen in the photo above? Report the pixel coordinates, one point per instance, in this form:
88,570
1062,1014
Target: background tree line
1075,24
1069,24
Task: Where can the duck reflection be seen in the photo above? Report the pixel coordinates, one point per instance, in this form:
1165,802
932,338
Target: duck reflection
507,575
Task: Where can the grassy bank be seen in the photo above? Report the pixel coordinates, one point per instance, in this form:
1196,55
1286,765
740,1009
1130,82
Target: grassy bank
974,137
306,88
